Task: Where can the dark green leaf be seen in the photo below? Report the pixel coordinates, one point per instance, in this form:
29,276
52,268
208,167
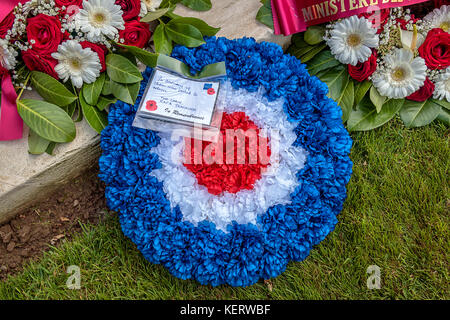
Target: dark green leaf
184,34
361,89
107,88
51,89
376,98
324,60
336,79
92,91
50,148
36,144
366,117
126,93
264,14
153,15
198,5
201,25
314,35
444,116
312,53
97,119
122,70
104,102
417,114
346,100
443,103
147,58
162,42
47,120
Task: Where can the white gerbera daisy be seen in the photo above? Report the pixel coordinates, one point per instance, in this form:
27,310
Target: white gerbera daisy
400,75
442,86
149,6
7,55
100,18
78,64
351,39
439,18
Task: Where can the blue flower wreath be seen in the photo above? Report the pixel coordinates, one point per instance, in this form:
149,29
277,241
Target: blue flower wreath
248,252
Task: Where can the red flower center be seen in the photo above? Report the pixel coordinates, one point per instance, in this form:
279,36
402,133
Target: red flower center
233,163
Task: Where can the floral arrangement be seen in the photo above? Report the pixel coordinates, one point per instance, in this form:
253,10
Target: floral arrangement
384,63
81,56
248,221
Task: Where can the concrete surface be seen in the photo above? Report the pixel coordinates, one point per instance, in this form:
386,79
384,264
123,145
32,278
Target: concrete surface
25,178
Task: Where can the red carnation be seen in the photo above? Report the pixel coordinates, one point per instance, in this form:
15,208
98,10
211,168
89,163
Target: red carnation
6,24
136,33
100,49
37,62
425,92
436,49
362,71
130,8
46,33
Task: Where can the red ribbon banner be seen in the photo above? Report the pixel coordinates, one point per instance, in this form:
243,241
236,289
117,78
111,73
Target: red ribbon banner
292,16
11,124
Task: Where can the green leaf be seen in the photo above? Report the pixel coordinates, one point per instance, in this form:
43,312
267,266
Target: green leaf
153,15
336,79
107,88
314,35
50,148
161,40
366,117
417,114
127,93
198,5
122,70
312,53
324,60
47,120
361,89
184,34
376,98
36,144
443,103
264,14
201,25
51,89
346,100
97,119
147,58
444,116
104,102
92,91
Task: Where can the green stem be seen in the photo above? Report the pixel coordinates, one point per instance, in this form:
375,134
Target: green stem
24,86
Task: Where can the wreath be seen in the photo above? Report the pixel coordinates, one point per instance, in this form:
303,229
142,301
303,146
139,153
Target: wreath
249,222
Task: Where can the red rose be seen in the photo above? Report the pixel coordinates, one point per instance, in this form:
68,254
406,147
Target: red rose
6,24
37,62
436,49
378,18
136,33
130,8
362,71
46,32
425,92
100,49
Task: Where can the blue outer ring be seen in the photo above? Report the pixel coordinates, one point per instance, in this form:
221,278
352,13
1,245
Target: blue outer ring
285,232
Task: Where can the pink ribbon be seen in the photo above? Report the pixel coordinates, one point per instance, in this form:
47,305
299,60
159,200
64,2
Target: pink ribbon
11,124
292,16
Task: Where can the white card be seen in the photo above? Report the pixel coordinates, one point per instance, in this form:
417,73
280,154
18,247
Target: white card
175,98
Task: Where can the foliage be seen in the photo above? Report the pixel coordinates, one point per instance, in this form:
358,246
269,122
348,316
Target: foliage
362,106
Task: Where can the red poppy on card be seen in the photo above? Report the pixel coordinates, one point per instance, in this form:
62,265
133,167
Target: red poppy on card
151,105
211,91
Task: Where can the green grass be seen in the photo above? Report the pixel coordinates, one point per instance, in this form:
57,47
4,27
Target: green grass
396,216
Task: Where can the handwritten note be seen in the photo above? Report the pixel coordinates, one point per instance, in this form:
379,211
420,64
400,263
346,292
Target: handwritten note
172,97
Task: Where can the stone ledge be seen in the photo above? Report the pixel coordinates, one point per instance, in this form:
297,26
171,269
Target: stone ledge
25,178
